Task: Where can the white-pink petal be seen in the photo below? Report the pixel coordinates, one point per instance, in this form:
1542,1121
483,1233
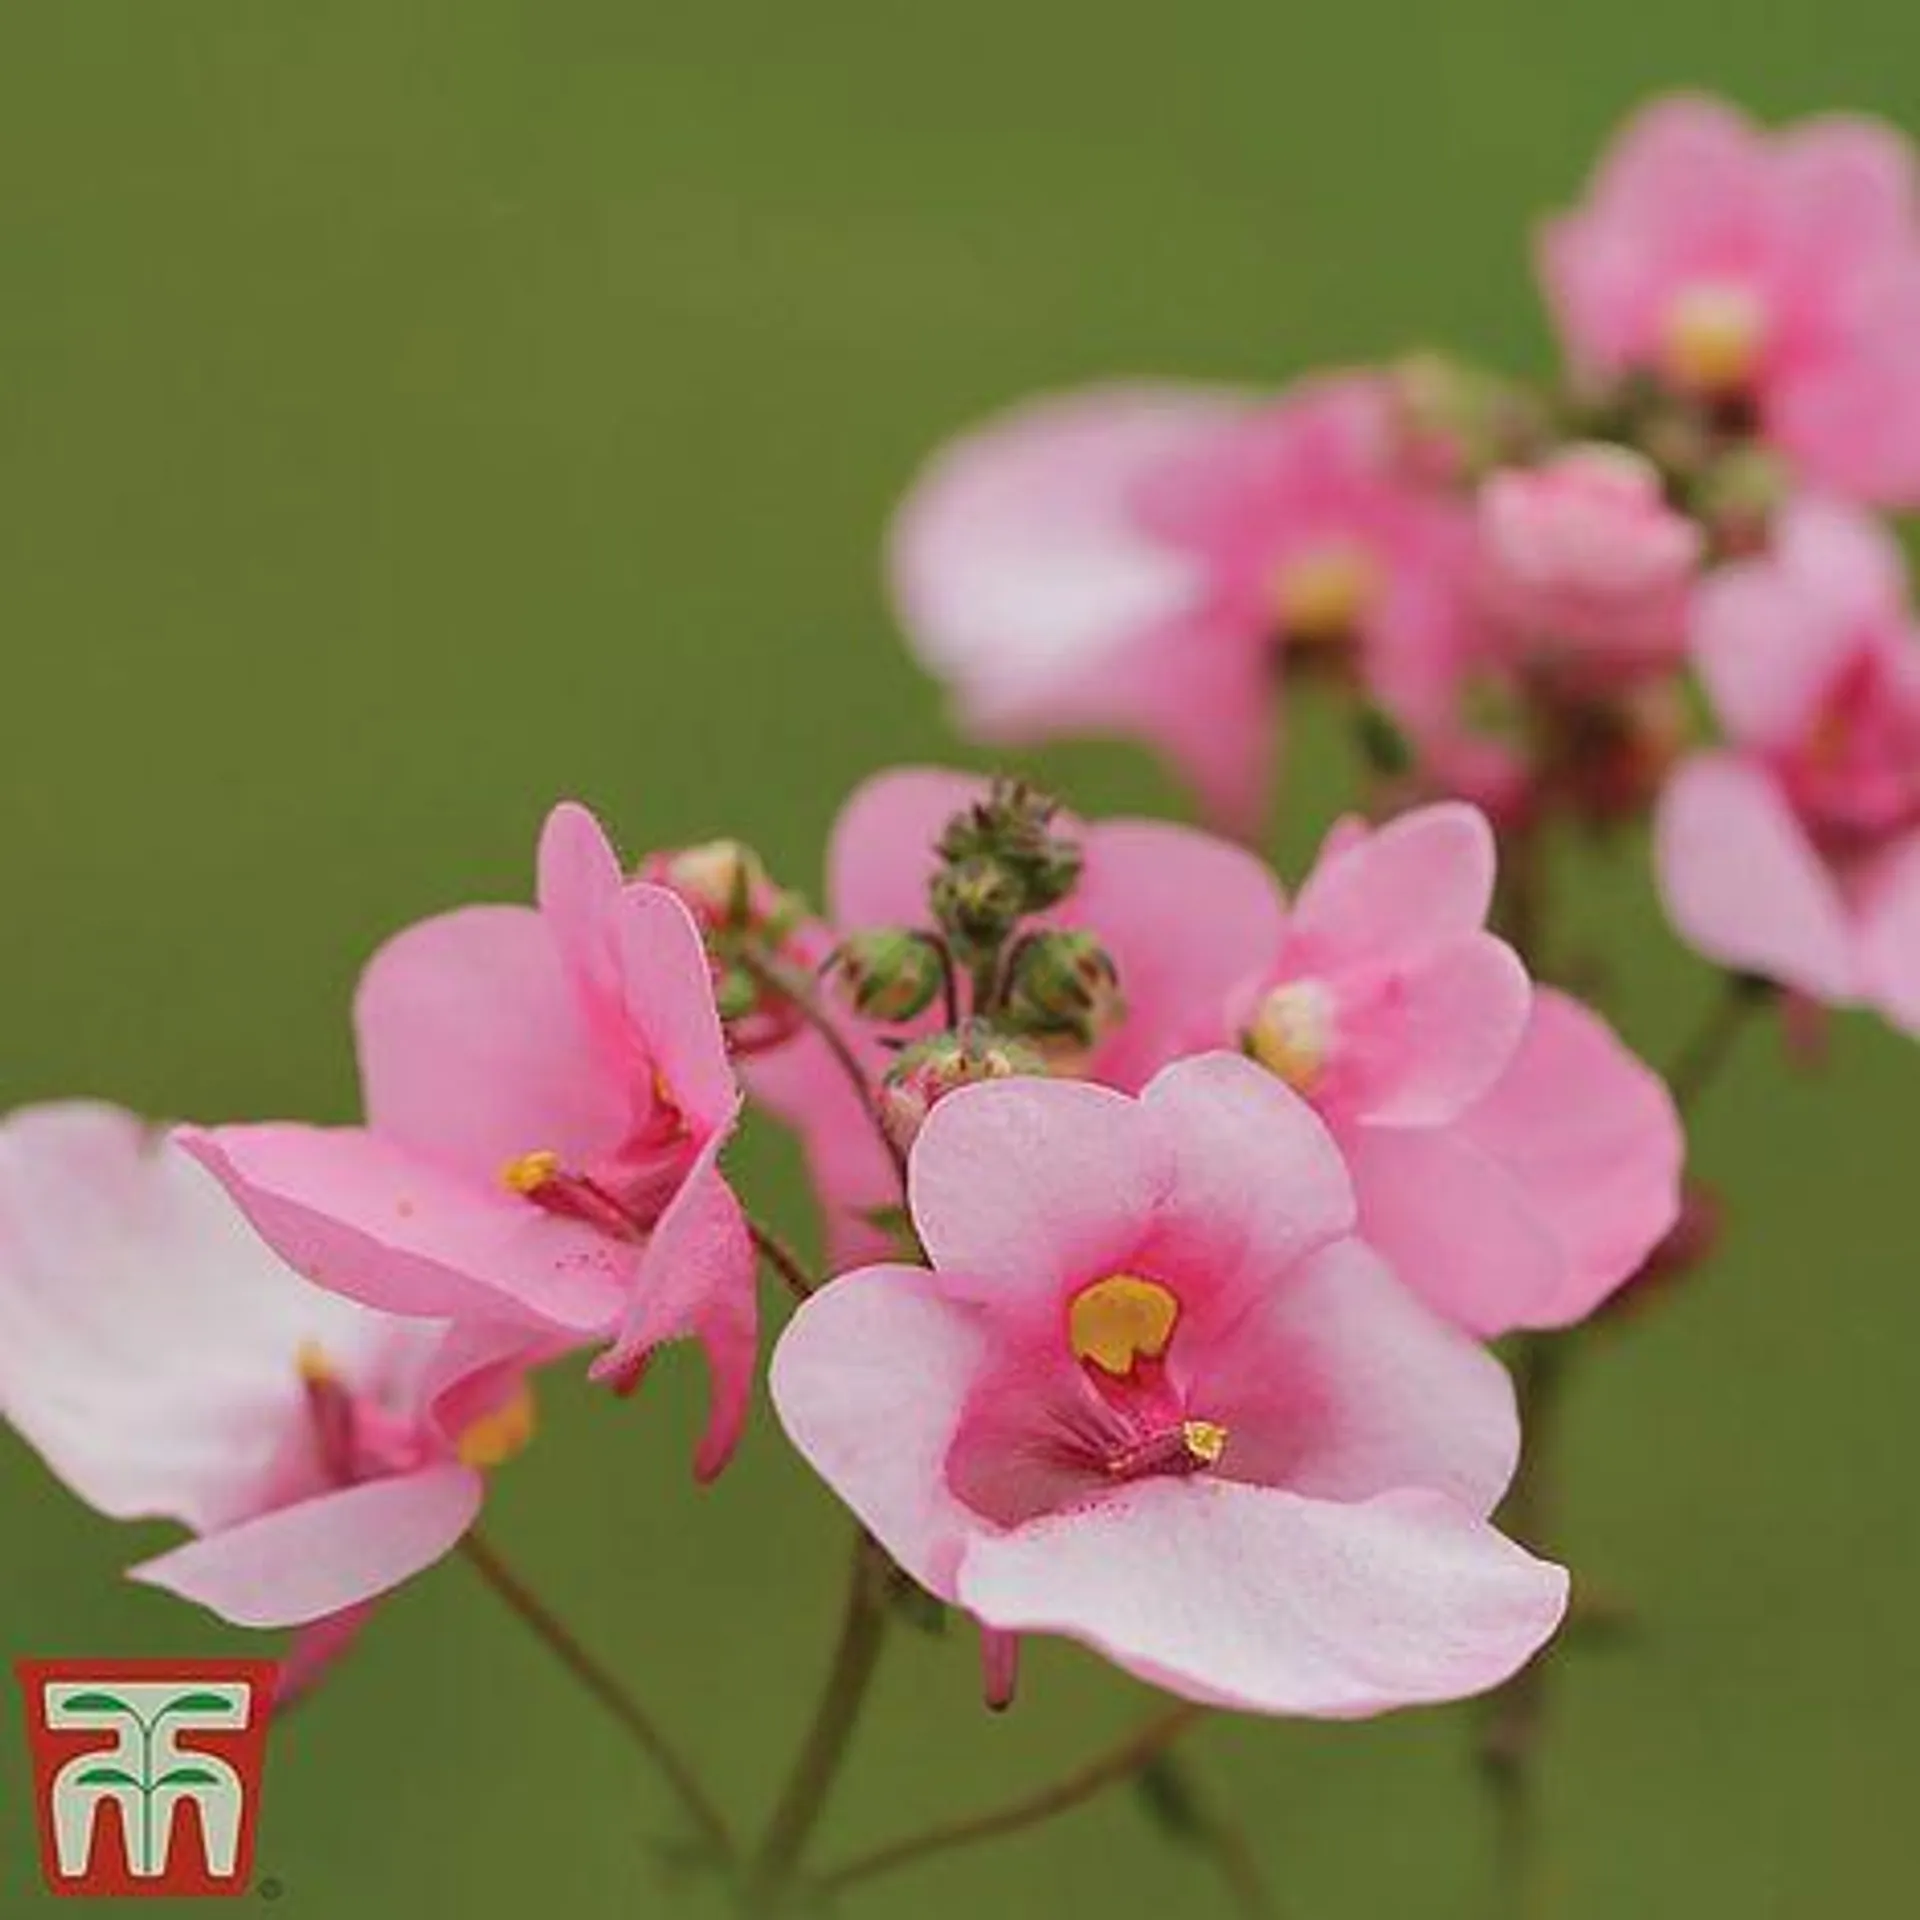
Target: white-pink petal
869,1380
1743,883
302,1563
1249,1598
1024,1184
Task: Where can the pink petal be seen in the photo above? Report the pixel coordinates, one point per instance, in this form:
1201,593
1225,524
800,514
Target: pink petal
1456,1227
1743,884
696,1279
1025,1184
1249,1598
1846,191
1680,194
1187,918
149,1341
1890,935
1338,1384
668,987
1850,419
869,1380
382,1226
474,1050
303,1563
1256,1181
1019,560
1591,1135
1411,887
580,879
881,854
1454,1025
1202,693
1771,635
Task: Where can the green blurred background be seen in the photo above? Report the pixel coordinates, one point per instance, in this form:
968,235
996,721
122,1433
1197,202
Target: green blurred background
413,413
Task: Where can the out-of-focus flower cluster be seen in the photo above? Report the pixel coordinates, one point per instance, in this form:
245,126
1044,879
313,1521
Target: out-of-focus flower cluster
1522,585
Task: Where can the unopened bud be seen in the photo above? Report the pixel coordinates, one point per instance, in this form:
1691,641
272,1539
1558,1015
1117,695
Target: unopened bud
1063,986
1013,828
977,901
1739,495
723,881
1455,421
890,973
736,994
925,1073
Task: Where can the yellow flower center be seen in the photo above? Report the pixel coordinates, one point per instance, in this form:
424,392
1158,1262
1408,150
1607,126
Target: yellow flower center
1206,1440
1712,338
315,1369
1120,1320
530,1172
494,1439
1292,1034
1322,597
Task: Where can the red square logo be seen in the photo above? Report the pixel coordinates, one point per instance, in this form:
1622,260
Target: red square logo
147,1773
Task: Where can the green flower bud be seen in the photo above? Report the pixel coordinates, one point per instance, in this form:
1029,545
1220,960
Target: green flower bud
890,973
1013,828
977,902
1063,986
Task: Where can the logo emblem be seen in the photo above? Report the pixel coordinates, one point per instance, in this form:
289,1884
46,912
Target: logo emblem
147,1773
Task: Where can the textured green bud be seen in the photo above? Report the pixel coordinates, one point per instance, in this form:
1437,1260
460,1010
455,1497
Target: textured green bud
1063,986
977,902
1013,828
890,973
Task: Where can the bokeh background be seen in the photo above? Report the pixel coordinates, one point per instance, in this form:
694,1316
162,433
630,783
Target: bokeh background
415,413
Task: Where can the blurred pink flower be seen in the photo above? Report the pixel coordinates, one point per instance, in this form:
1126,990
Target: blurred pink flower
1173,907
1153,1397
547,1095
1513,1160
1584,563
1776,272
1136,560
164,1363
1794,853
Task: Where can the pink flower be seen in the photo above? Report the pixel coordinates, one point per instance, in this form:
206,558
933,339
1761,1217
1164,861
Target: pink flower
1174,908
1133,560
1795,852
1154,1397
165,1364
1776,273
547,1096
1585,564
1512,1160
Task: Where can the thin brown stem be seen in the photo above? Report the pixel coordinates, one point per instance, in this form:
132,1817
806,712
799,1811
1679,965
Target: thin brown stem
815,1769
1516,1724
1710,1046
798,991
783,1260
605,1688
1118,1763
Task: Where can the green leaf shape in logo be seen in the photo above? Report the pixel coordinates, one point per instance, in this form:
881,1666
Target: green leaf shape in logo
187,1777
197,1703
96,1703
107,1777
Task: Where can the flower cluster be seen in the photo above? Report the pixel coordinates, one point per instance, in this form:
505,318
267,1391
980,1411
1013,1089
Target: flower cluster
1520,583
1168,1212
